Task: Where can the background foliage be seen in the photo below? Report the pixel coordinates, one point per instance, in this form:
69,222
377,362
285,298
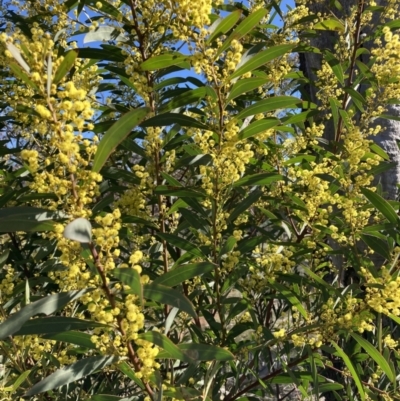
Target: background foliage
175,224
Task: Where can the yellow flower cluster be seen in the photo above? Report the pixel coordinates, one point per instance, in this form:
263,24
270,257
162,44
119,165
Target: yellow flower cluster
383,292
349,313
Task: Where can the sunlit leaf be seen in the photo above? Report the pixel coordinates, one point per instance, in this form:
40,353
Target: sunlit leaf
116,134
71,373
79,230
46,306
184,272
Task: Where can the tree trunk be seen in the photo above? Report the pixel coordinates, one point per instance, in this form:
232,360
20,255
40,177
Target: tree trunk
387,139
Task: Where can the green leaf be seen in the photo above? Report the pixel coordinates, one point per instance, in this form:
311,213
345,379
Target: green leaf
350,367
24,218
181,243
377,245
107,8
16,69
79,230
357,98
188,97
225,25
228,246
379,151
257,127
47,306
116,134
100,54
166,344
166,119
21,378
72,337
65,66
244,28
335,65
272,103
54,325
245,204
291,297
201,352
184,272
375,355
131,278
245,85
71,373
169,296
258,179
334,103
381,204
165,60
129,372
168,190
330,24
261,59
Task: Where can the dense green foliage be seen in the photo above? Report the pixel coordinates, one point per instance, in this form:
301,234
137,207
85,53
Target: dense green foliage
174,224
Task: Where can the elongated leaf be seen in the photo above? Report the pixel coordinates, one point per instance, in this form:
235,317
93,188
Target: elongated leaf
354,374
377,245
166,344
188,97
245,85
107,8
177,191
21,378
375,355
261,59
272,103
54,325
17,56
335,65
79,230
244,28
184,272
72,337
258,179
202,352
71,373
379,151
244,205
228,246
330,24
225,25
381,204
164,61
131,278
291,297
166,119
181,243
47,306
257,127
169,296
19,73
116,134
357,98
26,218
65,66
100,54
128,371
